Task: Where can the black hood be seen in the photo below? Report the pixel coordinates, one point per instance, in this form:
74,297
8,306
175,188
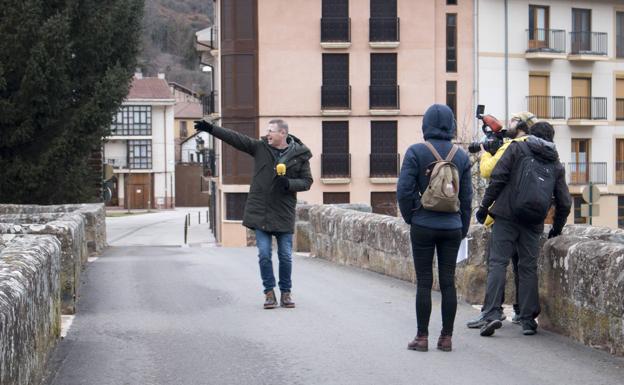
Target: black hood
542,149
438,123
295,147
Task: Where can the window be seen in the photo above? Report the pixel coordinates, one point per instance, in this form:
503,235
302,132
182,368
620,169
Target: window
235,206
384,23
132,120
335,23
183,130
384,203
451,2
619,161
538,26
581,31
384,159
619,34
619,99
140,154
451,96
621,211
384,91
332,198
451,42
335,159
335,92
578,201
579,161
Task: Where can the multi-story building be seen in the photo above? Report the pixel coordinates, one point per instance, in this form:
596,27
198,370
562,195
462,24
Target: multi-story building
140,148
352,79
564,61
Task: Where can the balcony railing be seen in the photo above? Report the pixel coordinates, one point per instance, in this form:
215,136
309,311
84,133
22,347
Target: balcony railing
117,162
384,29
209,103
335,29
583,173
547,107
588,43
619,172
619,109
588,108
384,97
335,165
546,40
383,165
336,97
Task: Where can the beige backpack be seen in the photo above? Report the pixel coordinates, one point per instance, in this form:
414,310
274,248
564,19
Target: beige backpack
442,192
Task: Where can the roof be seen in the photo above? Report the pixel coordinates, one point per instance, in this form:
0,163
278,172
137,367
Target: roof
188,110
150,88
182,88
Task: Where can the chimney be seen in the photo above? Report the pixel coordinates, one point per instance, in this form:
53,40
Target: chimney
138,74
161,75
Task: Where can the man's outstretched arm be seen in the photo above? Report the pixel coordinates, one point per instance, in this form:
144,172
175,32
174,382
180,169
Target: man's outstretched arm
235,139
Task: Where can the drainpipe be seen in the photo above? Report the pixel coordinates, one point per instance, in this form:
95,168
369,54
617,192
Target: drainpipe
475,63
165,141
506,61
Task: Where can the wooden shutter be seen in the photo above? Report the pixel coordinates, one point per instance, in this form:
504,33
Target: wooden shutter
383,69
384,137
335,197
335,69
335,8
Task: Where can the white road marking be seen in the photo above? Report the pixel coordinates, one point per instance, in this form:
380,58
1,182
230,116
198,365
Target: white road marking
66,322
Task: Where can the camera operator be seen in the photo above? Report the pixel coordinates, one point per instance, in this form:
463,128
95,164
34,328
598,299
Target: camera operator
517,131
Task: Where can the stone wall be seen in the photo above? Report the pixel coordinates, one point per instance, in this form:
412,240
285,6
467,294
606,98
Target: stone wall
30,317
581,272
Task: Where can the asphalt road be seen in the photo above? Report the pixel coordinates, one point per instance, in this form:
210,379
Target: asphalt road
170,315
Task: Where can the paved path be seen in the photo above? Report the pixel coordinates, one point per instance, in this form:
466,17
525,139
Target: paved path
170,315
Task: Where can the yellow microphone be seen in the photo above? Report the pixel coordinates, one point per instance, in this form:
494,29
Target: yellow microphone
281,169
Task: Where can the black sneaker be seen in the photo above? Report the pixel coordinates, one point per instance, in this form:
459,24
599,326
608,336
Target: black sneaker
477,323
529,328
490,327
516,319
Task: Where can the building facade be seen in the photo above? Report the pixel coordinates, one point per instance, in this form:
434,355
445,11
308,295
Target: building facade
564,61
352,79
140,149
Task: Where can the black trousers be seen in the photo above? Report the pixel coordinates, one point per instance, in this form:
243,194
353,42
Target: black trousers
446,243
507,239
514,264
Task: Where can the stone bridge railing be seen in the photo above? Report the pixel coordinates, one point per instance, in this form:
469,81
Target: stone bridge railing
581,272
42,252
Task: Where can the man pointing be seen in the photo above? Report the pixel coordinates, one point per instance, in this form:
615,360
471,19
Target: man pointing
281,169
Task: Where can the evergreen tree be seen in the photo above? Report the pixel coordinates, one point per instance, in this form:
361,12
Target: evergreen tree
65,67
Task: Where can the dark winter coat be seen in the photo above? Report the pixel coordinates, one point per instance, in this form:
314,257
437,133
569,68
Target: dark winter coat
438,129
268,208
500,190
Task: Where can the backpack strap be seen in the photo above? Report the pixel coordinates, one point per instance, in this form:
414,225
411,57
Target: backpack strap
452,153
435,152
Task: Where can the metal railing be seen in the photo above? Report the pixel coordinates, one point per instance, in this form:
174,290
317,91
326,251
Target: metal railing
546,40
335,165
209,103
384,97
384,29
384,165
335,30
619,109
117,162
582,107
583,173
547,107
336,97
588,43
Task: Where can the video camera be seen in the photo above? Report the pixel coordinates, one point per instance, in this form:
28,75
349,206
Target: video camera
493,130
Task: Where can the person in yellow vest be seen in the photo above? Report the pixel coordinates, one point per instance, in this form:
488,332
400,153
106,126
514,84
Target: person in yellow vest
518,129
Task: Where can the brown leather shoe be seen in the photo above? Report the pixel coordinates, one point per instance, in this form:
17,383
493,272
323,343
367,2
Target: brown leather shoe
270,302
420,344
286,301
445,344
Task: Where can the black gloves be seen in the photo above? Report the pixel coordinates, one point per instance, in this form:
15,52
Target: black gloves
202,125
482,213
282,183
554,233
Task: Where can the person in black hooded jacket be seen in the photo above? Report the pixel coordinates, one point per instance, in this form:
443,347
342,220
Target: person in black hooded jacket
431,230
510,233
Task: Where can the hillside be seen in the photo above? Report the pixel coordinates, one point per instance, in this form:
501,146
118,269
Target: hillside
169,28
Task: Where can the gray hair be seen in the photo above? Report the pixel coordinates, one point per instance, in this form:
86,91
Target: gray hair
280,123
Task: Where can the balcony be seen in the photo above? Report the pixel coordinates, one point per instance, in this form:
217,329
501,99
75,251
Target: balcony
384,32
546,44
118,163
207,39
384,100
619,109
384,167
587,111
335,32
335,100
588,46
210,103
335,168
583,173
547,107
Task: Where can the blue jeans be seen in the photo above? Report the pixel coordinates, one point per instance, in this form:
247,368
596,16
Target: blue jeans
284,254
